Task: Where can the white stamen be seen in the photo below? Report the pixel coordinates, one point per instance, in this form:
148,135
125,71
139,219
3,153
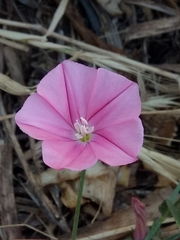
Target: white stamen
90,129
77,126
78,136
84,122
82,128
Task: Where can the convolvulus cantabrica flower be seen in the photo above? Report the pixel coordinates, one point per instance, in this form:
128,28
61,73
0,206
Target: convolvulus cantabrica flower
83,115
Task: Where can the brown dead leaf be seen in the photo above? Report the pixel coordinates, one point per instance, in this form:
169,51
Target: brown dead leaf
99,185
100,190
123,176
123,221
52,176
92,211
162,126
69,196
163,182
169,230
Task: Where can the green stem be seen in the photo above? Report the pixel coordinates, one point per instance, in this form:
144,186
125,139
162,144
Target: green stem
78,206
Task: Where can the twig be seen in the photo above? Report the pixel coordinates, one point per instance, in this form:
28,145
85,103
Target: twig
28,226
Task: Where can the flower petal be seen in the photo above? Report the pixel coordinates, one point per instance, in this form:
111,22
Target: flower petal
79,82
84,161
68,154
127,136
117,102
53,88
41,121
118,145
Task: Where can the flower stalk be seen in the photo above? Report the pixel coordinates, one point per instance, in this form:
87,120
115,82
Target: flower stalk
78,206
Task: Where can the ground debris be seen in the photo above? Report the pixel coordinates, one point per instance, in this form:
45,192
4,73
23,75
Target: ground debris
139,39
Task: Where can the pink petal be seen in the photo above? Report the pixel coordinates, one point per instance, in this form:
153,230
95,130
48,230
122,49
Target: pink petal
119,144
41,121
53,88
68,154
76,83
121,107
86,160
128,136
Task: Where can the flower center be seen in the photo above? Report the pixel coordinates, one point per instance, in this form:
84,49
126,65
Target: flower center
83,131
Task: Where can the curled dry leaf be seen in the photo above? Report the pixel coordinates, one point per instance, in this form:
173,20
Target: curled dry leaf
111,6
99,186
69,196
123,176
52,176
100,190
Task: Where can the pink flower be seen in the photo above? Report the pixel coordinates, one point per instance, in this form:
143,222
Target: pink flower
83,114
141,228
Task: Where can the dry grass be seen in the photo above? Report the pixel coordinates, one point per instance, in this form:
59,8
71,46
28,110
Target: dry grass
159,90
